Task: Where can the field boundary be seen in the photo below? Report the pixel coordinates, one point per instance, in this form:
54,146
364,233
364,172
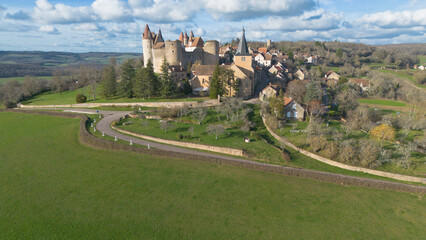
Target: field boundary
230,151
344,166
88,139
208,103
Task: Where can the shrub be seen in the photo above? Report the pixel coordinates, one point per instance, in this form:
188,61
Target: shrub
332,149
9,104
286,156
80,98
254,135
369,154
180,136
383,132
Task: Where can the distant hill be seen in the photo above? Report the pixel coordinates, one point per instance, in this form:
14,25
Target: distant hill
37,63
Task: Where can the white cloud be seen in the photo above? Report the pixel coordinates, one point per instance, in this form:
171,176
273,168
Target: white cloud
165,11
45,12
236,9
391,19
319,20
48,29
111,9
87,27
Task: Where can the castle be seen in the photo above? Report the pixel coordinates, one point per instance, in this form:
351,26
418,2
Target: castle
179,52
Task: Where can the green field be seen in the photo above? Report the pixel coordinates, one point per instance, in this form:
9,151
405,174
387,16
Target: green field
403,75
68,97
383,102
55,188
21,79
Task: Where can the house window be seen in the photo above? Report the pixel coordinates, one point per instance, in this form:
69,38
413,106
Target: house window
243,59
288,114
295,114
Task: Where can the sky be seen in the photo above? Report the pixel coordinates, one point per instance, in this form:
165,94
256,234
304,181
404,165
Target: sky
117,25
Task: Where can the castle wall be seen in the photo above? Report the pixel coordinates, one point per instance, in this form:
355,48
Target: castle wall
158,56
173,52
211,53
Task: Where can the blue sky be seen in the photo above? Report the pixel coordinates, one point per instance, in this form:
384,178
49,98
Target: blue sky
116,25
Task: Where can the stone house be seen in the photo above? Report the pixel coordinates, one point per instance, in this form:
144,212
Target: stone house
299,74
332,75
293,111
362,83
268,92
263,60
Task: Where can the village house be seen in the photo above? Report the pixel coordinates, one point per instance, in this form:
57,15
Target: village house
263,60
293,111
299,74
268,92
362,83
332,75
421,67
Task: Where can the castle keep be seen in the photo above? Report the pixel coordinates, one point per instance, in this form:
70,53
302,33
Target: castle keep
179,52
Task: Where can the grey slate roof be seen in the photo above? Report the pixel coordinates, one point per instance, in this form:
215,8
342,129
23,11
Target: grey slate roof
242,49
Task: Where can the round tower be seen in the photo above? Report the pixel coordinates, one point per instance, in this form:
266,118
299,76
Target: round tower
147,44
174,52
211,52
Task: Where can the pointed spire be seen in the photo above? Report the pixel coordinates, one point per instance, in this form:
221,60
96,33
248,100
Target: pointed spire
185,39
191,35
181,37
242,45
159,37
147,33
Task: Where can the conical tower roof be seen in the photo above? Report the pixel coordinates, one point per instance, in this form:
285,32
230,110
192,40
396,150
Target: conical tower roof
191,35
242,49
181,37
147,33
159,37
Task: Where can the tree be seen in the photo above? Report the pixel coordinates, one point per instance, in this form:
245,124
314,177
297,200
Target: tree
109,82
228,77
58,83
216,129
186,87
348,152
347,100
369,154
125,87
296,89
313,92
383,132
167,84
165,125
80,98
216,87
315,108
91,76
146,83
420,77
199,114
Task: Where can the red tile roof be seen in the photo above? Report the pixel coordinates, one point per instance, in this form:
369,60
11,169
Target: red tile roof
287,101
263,49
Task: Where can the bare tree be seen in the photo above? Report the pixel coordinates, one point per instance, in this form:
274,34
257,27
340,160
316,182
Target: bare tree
165,125
216,129
199,114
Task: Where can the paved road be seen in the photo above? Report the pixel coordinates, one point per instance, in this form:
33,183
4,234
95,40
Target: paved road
104,125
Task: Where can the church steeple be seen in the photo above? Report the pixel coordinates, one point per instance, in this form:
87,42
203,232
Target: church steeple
242,49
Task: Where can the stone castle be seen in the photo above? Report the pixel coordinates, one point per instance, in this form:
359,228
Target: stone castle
179,52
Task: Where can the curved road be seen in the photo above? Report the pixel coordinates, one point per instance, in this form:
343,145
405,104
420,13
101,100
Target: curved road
104,125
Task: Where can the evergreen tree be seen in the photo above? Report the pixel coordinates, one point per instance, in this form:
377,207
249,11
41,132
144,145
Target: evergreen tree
313,92
167,84
186,87
146,82
109,82
216,85
128,72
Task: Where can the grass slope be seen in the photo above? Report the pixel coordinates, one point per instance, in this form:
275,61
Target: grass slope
384,102
55,188
68,97
403,75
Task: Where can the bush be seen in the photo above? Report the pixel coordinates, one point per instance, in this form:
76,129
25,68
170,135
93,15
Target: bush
180,136
286,156
80,98
383,132
9,104
254,135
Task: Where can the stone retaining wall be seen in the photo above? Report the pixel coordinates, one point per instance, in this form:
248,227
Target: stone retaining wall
225,150
344,166
136,104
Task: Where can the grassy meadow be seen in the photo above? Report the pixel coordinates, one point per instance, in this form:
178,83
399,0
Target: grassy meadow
55,188
68,97
384,102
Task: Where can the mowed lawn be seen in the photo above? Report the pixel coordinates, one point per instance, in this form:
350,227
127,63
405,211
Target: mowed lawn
68,97
52,187
384,102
